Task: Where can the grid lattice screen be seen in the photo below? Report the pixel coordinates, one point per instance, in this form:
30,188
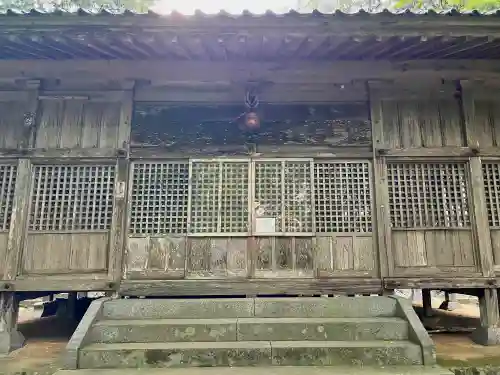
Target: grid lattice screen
159,202
283,192
428,195
7,187
491,175
219,198
72,197
343,201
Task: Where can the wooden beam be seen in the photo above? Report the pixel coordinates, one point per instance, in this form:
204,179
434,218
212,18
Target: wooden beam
10,338
19,220
287,72
119,218
253,287
480,224
60,154
440,282
381,194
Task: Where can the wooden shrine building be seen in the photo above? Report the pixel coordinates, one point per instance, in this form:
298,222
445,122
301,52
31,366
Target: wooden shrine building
299,154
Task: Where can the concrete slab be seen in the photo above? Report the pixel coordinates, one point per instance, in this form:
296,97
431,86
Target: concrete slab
285,370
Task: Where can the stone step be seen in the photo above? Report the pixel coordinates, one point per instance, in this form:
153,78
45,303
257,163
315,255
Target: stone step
250,353
248,329
320,307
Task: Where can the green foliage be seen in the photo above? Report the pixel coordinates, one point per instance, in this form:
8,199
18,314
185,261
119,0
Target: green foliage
47,5
462,5
373,5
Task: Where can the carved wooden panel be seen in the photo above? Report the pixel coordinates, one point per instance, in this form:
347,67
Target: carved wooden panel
428,195
159,198
195,127
284,257
7,186
156,257
220,257
72,197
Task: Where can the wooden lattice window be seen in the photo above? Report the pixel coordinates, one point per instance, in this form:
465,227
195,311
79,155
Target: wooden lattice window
283,196
219,197
7,187
491,175
428,195
159,199
72,197
343,199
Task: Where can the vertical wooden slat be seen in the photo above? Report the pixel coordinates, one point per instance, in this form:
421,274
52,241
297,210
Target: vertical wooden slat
382,222
18,223
480,223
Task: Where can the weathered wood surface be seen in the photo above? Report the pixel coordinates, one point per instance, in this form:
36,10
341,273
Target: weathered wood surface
64,253
415,250
12,124
155,257
101,75
255,287
167,257
78,124
346,255
195,127
421,123
3,250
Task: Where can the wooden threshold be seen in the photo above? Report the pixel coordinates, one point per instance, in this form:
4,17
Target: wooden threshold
251,287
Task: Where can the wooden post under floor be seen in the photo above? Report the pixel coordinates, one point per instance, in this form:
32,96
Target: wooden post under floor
489,332
10,338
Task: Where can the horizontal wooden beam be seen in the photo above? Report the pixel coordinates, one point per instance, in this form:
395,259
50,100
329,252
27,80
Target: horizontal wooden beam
68,283
424,152
63,154
253,287
158,73
440,282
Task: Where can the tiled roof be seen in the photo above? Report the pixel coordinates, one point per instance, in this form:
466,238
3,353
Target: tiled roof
292,13
105,34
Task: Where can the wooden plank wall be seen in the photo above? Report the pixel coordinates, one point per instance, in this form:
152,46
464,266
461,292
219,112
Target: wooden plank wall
481,111
423,126
64,131
78,124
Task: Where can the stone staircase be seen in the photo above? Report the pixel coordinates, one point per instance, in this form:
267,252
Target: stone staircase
138,333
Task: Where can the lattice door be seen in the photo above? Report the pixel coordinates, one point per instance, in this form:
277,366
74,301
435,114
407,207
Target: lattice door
7,186
219,197
283,197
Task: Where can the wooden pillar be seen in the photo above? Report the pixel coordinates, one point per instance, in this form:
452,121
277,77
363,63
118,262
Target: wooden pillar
18,220
381,206
118,224
10,338
427,302
489,332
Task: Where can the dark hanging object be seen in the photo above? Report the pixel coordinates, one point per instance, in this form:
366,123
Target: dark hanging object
251,118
